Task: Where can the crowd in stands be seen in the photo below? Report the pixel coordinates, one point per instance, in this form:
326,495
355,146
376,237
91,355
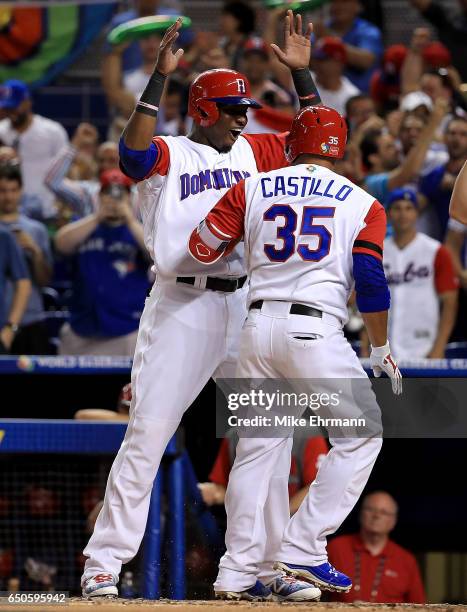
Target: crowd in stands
74,271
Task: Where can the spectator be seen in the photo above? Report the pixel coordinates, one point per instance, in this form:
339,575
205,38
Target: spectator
123,89
111,274
417,103
132,57
120,414
256,66
36,139
437,186
381,158
237,23
30,204
421,277
307,455
80,195
362,40
410,129
381,570
12,270
358,109
335,89
170,120
32,237
385,86
452,30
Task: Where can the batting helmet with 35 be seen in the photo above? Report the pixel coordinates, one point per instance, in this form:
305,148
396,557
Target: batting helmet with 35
219,86
317,130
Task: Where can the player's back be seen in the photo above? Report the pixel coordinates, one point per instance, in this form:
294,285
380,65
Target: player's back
301,223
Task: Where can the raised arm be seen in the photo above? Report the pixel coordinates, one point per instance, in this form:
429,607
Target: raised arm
69,238
112,81
413,163
295,54
140,128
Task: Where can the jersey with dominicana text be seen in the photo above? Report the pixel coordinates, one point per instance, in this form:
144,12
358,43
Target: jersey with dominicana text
186,182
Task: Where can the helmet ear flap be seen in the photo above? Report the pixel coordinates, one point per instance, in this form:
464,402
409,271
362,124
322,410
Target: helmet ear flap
208,113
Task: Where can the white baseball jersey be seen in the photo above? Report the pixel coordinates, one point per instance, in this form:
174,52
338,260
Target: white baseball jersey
416,274
186,182
301,225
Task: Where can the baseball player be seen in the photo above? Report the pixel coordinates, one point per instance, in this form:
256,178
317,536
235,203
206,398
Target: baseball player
309,233
192,319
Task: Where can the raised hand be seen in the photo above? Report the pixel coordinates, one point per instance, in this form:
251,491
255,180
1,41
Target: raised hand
167,60
296,50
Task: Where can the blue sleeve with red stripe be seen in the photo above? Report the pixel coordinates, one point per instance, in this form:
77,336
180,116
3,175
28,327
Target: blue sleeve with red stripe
137,164
371,286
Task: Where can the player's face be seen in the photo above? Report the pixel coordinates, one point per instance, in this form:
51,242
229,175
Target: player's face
10,195
456,139
379,514
225,132
403,216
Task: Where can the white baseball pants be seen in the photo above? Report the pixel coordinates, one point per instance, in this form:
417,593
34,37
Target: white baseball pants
186,335
257,530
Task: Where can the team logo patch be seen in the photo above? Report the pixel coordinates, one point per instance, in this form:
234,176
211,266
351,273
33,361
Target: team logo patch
324,147
241,86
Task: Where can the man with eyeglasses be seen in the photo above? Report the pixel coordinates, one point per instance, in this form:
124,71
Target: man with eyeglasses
381,570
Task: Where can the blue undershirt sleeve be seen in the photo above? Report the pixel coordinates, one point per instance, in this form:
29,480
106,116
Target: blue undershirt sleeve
371,285
137,164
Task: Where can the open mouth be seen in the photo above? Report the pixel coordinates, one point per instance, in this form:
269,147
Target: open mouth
235,133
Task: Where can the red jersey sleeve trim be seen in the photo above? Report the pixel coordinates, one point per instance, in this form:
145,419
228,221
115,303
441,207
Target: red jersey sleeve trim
228,214
445,277
162,164
268,150
221,229
370,240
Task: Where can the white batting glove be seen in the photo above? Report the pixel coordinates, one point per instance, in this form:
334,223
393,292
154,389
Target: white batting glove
381,360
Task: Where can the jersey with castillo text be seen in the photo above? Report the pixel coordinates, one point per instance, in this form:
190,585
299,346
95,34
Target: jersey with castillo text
301,225
186,182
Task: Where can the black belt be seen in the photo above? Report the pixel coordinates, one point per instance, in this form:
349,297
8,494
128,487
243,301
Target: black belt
299,309
216,284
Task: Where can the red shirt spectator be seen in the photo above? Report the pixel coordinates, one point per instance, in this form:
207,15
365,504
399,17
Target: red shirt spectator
381,570
392,576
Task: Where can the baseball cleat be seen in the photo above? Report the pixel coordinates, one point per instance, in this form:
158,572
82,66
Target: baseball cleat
287,588
324,576
100,585
258,592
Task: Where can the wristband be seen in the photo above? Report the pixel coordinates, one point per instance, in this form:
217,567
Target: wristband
150,98
305,87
